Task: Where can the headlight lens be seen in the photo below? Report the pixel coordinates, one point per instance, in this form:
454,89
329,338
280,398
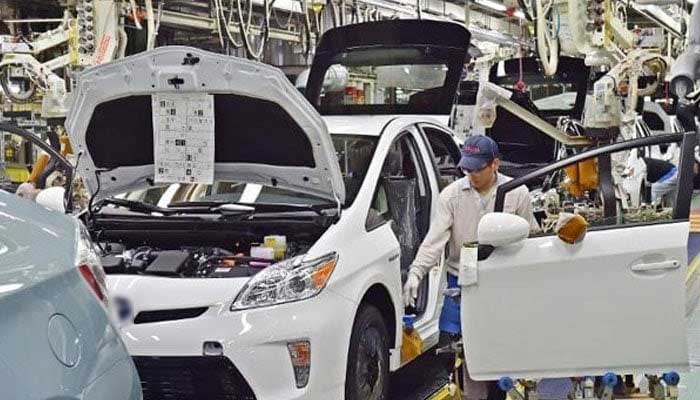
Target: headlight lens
290,280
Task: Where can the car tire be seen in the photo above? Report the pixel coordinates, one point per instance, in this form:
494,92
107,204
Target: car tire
367,374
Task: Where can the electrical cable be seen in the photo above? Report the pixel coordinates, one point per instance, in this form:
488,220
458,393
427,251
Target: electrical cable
150,24
90,210
218,24
256,55
307,27
334,14
277,20
224,22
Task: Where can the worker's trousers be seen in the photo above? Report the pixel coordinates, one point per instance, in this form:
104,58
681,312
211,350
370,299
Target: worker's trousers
450,331
665,186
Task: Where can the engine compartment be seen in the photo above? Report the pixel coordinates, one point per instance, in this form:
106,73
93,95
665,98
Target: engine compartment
232,261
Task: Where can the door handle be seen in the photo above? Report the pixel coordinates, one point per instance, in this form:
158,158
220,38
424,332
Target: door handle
394,257
657,266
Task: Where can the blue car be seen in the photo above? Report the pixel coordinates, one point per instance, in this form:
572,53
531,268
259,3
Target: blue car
56,339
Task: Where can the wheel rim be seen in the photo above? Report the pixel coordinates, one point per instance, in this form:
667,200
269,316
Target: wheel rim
370,364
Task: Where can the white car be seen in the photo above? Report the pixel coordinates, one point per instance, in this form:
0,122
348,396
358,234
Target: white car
207,312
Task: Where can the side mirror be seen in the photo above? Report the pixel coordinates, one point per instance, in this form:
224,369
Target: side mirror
52,198
502,229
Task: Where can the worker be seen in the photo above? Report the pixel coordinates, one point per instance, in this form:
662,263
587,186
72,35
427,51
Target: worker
663,177
460,207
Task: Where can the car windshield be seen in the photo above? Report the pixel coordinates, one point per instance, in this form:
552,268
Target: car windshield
354,154
381,84
560,101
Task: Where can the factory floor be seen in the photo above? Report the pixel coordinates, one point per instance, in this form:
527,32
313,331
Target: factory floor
424,376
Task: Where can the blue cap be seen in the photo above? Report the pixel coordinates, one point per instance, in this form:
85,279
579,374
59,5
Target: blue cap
477,152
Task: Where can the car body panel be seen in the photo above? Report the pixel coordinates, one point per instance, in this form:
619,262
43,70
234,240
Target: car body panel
569,305
365,259
255,340
579,310
39,283
132,166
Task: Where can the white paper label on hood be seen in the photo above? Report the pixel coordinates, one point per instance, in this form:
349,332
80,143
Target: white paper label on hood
183,137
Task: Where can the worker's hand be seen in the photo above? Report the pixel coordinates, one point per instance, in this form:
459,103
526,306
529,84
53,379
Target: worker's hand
410,289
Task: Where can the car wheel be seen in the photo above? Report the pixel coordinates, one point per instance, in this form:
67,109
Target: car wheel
367,375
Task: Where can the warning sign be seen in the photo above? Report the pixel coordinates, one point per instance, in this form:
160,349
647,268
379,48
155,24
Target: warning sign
183,137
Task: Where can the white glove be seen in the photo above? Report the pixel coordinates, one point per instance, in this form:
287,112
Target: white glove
410,289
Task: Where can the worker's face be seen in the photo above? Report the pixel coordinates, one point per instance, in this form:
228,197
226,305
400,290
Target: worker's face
483,178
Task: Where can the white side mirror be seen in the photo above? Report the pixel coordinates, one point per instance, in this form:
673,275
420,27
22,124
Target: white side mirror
502,229
52,198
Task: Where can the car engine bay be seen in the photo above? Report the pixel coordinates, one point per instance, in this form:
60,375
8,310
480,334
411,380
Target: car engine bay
241,259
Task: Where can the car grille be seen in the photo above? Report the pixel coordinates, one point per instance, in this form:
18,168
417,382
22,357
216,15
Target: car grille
145,317
191,378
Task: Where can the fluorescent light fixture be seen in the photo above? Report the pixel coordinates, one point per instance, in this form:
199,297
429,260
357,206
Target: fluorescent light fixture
494,5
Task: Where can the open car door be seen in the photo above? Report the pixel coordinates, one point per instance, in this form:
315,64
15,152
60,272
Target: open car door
613,302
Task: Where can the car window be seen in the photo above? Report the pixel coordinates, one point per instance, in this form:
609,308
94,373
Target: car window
402,195
445,154
611,189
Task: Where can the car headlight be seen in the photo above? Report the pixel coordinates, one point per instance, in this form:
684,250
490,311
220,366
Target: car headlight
287,281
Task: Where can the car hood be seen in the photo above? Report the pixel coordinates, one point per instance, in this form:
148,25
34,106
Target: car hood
265,130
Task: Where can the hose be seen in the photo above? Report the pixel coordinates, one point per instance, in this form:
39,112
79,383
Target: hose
547,46
525,9
307,27
257,54
277,20
151,25
133,13
224,23
28,95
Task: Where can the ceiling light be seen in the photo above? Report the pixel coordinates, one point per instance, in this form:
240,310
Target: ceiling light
494,5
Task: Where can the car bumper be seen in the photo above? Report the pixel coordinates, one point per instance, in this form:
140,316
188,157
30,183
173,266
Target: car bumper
120,382
254,346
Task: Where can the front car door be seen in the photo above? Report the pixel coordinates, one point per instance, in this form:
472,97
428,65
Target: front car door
613,302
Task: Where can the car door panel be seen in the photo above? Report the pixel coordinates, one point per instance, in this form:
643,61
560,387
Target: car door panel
564,310
613,302
437,276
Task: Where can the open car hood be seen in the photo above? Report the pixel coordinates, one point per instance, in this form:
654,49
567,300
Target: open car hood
265,130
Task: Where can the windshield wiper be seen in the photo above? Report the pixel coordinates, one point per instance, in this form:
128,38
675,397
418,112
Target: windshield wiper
216,206
141,207
132,205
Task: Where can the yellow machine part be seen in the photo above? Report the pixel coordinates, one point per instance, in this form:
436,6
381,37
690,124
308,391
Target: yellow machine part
448,392
66,147
38,167
16,172
581,177
411,346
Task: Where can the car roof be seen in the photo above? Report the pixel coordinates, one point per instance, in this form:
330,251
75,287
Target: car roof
373,125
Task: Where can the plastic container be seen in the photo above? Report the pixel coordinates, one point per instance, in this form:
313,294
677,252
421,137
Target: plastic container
412,344
278,243
267,253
